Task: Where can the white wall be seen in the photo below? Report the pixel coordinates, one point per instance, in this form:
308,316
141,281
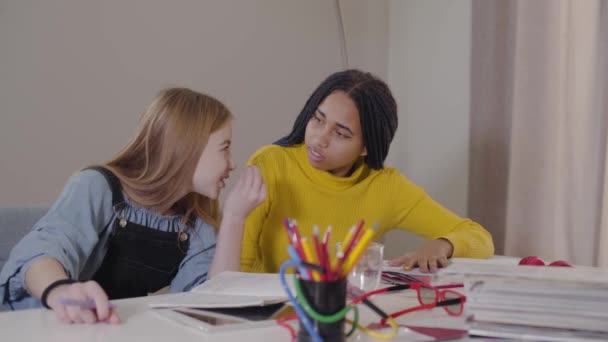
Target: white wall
74,75
428,71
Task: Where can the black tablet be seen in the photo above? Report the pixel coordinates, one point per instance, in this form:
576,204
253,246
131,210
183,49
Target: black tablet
215,320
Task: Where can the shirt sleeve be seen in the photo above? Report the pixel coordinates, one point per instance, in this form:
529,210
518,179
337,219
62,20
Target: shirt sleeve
194,269
417,212
68,232
251,255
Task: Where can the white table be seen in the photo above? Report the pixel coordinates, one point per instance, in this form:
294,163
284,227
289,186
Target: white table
141,324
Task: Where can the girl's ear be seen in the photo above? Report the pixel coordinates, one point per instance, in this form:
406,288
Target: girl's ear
364,152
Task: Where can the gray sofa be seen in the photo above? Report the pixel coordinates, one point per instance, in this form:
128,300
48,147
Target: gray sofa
15,222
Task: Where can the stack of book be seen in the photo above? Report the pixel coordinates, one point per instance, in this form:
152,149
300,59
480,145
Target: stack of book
534,303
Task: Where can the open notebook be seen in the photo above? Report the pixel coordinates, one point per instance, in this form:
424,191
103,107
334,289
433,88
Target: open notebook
230,290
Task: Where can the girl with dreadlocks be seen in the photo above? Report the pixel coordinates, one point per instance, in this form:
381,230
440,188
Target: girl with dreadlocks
330,171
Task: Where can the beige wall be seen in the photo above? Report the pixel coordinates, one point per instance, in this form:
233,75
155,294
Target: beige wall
429,64
74,75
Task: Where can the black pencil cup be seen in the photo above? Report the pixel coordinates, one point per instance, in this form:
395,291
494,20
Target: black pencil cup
326,298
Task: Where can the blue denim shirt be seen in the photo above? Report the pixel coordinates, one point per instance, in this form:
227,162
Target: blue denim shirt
75,231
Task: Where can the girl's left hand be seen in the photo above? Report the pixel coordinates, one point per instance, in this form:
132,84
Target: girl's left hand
247,193
432,255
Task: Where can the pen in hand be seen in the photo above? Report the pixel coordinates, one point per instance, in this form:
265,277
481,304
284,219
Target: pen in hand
89,304
84,304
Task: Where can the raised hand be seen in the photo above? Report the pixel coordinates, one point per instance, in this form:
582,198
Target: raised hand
248,193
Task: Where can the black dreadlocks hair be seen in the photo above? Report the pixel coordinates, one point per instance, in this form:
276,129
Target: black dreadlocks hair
375,103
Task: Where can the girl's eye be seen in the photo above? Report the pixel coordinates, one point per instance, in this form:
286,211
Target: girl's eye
342,135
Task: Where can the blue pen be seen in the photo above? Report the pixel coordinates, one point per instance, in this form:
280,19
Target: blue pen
294,255
84,304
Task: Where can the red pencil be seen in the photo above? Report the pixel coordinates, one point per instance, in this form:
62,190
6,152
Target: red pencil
327,260
326,236
320,256
296,234
337,272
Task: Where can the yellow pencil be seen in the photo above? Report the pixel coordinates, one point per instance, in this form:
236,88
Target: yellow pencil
310,258
357,251
347,239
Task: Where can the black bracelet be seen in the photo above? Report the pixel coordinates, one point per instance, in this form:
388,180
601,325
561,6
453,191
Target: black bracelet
53,285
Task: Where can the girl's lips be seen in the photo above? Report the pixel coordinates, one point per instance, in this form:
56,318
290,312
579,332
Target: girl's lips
314,155
222,182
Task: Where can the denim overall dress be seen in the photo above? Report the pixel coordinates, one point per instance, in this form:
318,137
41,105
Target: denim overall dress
139,259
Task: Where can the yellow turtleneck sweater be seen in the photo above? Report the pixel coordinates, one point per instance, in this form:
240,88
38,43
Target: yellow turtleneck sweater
296,190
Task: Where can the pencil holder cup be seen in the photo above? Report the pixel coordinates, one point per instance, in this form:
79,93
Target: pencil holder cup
326,298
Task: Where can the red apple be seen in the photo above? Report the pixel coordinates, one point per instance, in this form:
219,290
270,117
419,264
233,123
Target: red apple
560,263
532,261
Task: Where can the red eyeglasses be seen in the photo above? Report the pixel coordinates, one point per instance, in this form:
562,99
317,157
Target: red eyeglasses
429,297
451,301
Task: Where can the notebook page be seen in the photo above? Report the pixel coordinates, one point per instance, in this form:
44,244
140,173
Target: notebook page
245,284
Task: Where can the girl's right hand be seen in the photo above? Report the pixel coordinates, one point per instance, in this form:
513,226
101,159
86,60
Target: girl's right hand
248,193
84,292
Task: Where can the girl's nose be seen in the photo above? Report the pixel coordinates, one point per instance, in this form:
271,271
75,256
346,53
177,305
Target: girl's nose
322,140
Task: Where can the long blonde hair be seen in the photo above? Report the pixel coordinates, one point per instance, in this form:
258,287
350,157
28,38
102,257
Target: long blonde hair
158,163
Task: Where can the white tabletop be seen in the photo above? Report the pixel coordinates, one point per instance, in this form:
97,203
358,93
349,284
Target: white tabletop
140,322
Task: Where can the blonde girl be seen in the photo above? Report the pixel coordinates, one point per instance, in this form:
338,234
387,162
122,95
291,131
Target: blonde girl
145,220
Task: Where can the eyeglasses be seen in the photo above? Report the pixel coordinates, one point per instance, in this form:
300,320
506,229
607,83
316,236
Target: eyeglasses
429,297
451,301
417,283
